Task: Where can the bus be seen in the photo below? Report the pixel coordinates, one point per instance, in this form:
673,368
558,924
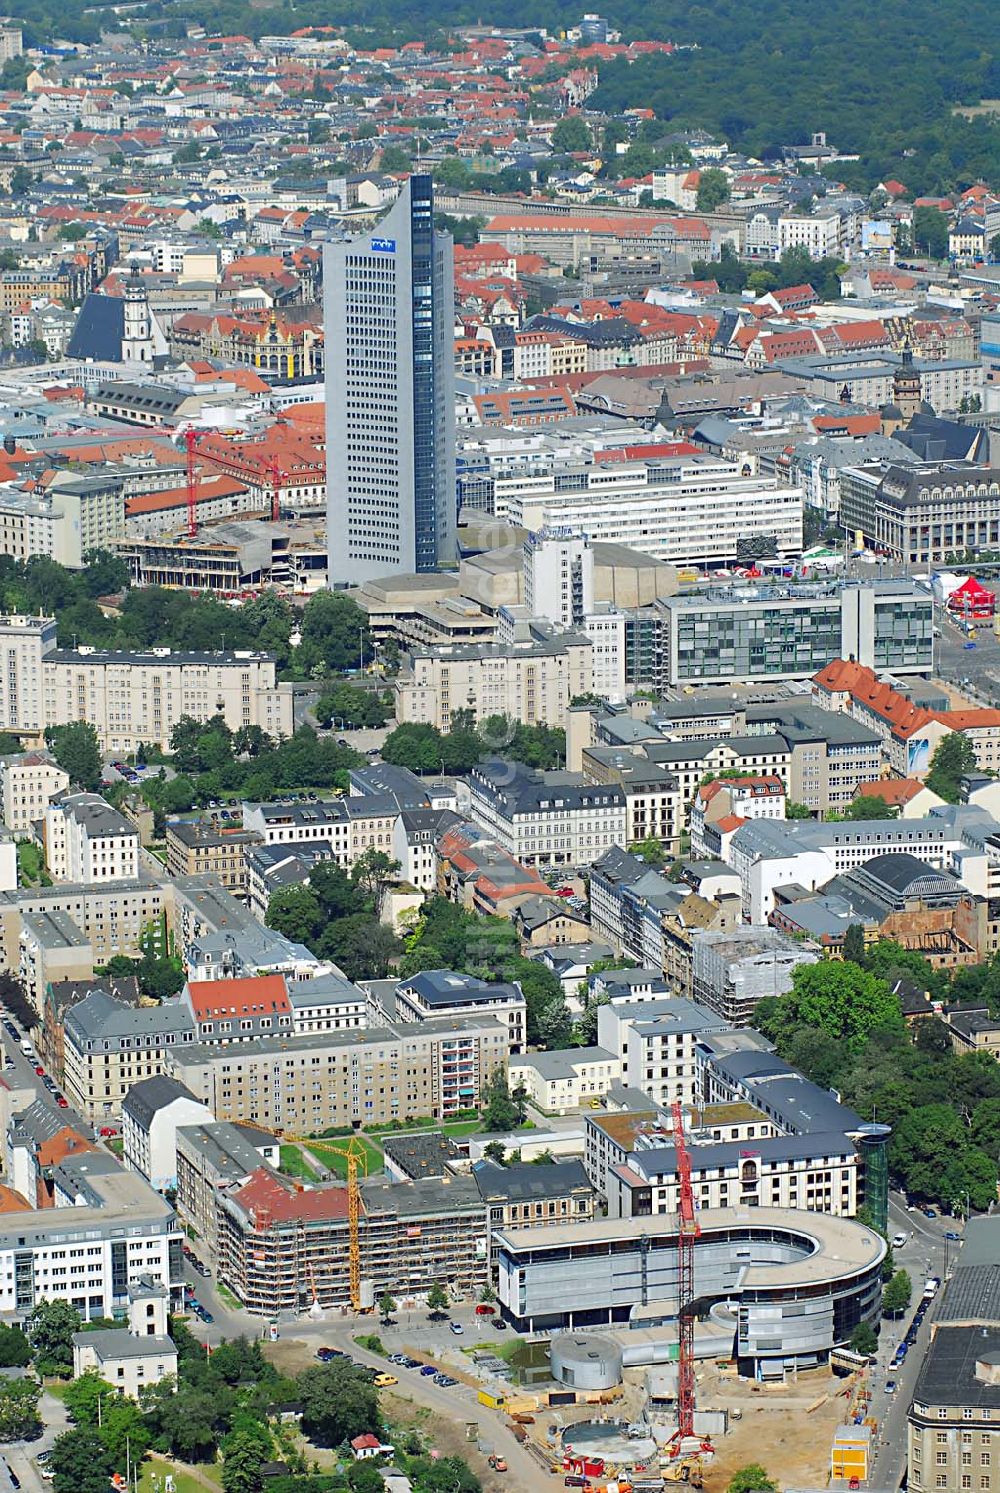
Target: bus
846,1361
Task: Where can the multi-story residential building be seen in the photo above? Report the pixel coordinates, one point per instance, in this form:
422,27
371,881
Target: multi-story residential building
953,1424
389,302
654,802
533,682
201,846
732,971
516,1196
923,514
818,1171
718,803
547,818
109,1229
24,642
51,948
114,918
559,577
139,697
328,1003
28,781
108,1047
411,1234
415,835
211,1159
89,842
909,733
561,1081
773,633
153,1110
655,1041
303,1084
226,1011
349,826
445,993
684,509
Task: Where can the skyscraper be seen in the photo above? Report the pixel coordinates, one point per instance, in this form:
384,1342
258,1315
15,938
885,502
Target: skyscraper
390,403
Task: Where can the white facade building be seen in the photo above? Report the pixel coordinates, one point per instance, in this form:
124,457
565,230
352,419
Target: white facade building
28,782
87,841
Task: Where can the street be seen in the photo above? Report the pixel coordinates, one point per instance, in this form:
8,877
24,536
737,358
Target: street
926,1253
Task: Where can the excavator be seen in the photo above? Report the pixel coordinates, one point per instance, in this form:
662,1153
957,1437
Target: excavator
685,1470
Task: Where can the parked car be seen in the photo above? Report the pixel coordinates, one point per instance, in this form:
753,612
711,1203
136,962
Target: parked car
951,1234
206,1316
445,1380
930,1213
457,1328
890,1386
428,1368
385,1381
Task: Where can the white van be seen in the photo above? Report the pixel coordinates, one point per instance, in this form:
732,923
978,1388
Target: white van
898,1240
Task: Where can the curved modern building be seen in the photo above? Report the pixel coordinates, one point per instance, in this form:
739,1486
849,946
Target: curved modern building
795,1283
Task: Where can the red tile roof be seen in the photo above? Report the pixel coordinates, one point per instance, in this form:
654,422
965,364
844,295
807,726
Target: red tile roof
260,995
272,1200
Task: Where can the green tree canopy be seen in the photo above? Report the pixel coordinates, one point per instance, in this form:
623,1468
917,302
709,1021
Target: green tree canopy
843,1000
953,757
337,1404
81,1463
50,1328
897,1294
19,1418
76,749
572,133
864,1339
751,1479
713,189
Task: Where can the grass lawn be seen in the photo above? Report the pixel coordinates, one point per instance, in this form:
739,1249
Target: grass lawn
153,1477
226,1295
294,1164
324,1151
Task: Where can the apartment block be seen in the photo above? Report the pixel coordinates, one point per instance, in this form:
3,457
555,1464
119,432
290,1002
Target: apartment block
303,1085
139,697
349,826
656,1041
445,993
109,1046
533,683
547,818
89,842
205,847
24,642
28,782
51,948
211,1159
113,918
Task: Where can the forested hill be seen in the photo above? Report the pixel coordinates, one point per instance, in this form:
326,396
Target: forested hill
881,79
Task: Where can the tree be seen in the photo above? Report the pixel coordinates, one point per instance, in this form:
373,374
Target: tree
76,749
864,1339
14,999
842,999
869,806
364,1478
19,1418
571,134
415,746
124,1431
83,1396
50,1329
337,1404
81,1463
713,189
499,1110
651,850
437,1298
854,944
372,867
795,810
387,1304
295,912
362,946
953,757
897,1294
995,248
751,1479
241,1465
930,231
496,1151
15,1350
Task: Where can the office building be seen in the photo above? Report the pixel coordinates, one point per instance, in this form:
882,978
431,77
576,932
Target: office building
389,303
922,514
798,1283
656,1042
559,577
108,1229
777,632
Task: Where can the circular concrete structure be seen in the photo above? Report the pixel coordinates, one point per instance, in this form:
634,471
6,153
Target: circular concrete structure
586,1360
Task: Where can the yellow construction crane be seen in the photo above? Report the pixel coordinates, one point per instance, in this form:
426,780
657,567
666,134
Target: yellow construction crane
354,1152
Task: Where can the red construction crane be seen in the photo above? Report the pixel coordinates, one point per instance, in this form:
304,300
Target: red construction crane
191,441
687,1232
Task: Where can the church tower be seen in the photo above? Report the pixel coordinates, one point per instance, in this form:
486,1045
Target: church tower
906,392
137,331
